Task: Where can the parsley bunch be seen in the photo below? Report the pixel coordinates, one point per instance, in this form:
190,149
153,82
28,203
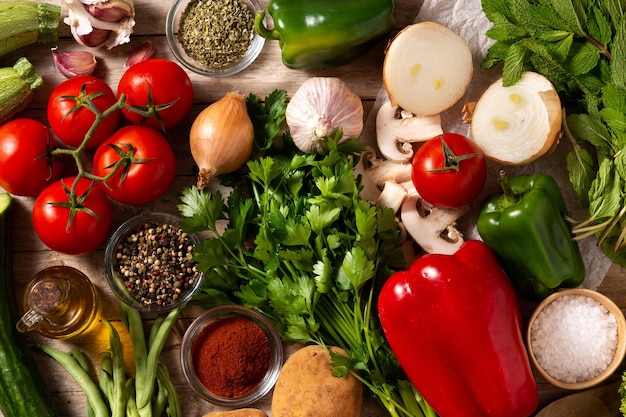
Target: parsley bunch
580,46
294,241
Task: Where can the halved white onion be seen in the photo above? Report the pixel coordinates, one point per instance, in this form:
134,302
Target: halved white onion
427,68
518,124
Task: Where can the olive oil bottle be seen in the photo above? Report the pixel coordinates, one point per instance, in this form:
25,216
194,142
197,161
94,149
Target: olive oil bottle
60,302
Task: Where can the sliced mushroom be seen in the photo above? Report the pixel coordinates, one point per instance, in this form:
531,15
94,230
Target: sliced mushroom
398,129
433,228
392,196
376,172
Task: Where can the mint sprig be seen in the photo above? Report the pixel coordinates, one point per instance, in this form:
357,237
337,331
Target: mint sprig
580,46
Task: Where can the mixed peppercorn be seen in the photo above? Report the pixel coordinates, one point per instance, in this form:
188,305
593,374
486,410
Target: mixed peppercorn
155,263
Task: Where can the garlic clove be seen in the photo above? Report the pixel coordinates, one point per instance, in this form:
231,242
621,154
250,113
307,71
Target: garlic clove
111,11
91,31
93,39
145,51
74,63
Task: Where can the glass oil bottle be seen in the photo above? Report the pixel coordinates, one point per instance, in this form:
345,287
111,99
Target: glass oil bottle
60,302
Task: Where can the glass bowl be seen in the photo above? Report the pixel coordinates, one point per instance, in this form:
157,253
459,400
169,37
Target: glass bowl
172,24
580,319
207,326
148,257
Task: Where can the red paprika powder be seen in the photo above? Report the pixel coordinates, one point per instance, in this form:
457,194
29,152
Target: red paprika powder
231,356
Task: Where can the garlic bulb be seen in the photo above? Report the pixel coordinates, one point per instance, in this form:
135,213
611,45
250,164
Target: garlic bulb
101,23
318,109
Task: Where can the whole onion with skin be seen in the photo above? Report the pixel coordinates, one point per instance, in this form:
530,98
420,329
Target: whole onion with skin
318,109
221,137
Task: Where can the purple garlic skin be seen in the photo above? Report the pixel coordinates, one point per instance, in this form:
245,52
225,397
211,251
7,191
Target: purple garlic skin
101,23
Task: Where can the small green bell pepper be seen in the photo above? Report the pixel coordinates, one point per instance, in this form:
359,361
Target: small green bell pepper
526,228
326,33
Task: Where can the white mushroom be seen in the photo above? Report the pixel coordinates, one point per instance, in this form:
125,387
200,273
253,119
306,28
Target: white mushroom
518,124
398,129
392,196
376,172
433,228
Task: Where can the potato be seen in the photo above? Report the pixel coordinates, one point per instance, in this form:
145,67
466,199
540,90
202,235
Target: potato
307,388
242,412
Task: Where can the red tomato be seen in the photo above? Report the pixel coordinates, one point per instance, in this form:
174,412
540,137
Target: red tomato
449,177
70,118
90,223
161,88
146,165
26,167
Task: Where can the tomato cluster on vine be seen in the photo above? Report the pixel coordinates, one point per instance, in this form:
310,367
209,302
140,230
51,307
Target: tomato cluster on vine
132,163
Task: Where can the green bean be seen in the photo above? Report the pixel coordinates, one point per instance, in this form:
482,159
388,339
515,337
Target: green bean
131,405
159,402
156,325
83,361
173,404
138,339
82,377
118,401
147,390
105,376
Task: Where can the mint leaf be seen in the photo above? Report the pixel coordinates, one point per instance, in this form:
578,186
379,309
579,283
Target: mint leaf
581,171
588,129
583,58
570,15
514,64
598,26
618,56
605,194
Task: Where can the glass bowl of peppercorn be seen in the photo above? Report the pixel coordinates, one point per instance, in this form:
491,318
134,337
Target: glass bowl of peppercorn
149,263
231,356
214,38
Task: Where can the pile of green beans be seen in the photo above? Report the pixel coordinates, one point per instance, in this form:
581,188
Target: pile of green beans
113,393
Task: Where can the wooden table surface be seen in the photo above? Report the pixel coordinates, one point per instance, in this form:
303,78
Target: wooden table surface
266,74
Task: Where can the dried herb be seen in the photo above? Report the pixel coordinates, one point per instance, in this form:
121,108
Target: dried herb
216,33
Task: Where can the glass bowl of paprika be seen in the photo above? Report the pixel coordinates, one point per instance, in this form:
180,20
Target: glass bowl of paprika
231,356
214,38
149,263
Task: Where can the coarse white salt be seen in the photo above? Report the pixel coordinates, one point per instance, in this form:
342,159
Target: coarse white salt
574,338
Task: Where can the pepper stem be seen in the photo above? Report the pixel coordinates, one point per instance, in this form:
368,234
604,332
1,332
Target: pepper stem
261,29
507,191
452,161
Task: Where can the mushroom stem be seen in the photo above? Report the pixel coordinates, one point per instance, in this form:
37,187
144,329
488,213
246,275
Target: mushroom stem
398,129
432,227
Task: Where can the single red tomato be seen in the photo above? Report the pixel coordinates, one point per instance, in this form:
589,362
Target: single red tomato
449,170
26,165
144,162
72,225
70,117
161,89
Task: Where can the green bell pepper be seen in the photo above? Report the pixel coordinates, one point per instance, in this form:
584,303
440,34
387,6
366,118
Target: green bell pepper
326,33
526,228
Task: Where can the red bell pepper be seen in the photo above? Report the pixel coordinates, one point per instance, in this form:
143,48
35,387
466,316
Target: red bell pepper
454,324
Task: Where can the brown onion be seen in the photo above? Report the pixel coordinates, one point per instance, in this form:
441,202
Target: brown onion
221,137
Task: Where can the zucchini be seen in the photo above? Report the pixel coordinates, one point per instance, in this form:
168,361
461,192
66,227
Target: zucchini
24,23
17,84
22,391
